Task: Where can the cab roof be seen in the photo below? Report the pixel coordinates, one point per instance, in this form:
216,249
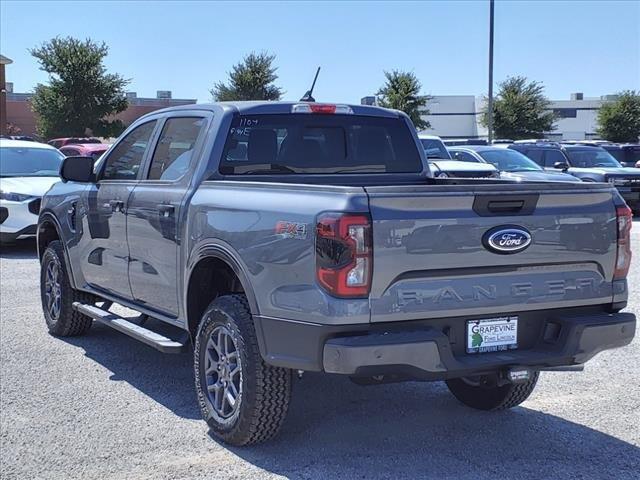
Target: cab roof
280,107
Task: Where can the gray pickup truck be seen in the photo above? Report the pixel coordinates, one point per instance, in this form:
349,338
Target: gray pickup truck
276,238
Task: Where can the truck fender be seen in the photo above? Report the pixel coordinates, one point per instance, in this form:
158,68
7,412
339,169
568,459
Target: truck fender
227,254
224,252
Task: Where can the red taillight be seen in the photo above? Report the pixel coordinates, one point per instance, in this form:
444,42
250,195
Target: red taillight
322,108
344,257
624,218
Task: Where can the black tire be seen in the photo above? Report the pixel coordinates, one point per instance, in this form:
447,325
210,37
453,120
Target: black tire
264,390
63,321
482,396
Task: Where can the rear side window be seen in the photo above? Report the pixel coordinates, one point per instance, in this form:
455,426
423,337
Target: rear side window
434,148
124,161
173,154
534,154
319,144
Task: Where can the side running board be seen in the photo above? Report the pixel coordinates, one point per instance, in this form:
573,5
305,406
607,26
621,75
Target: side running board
151,338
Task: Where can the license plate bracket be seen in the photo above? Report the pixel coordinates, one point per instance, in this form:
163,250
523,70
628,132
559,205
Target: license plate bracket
496,334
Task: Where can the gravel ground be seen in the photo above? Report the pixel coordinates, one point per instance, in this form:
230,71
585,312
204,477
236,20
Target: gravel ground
105,407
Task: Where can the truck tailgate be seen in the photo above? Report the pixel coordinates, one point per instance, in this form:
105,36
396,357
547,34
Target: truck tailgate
431,258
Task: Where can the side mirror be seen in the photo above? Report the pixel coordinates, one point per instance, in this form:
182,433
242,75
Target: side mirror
561,165
77,169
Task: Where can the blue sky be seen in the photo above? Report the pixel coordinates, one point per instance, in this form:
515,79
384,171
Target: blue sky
592,46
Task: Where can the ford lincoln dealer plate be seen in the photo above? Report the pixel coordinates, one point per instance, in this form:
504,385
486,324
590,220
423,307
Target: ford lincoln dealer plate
492,334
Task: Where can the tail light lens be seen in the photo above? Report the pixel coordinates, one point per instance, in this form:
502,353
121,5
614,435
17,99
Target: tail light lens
623,252
324,108
344,254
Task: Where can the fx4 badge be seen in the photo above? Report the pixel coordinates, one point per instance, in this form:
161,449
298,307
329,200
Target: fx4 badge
506,239
291,229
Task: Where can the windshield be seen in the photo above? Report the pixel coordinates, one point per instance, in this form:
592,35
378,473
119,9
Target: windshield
29,162
510,161
318,144
591,157
434,148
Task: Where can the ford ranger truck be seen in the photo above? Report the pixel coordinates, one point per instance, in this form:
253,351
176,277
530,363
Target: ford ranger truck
276,238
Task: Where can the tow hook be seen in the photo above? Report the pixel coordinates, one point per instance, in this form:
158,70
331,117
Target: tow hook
518,375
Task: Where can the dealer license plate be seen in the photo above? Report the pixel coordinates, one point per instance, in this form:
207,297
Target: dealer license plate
492,334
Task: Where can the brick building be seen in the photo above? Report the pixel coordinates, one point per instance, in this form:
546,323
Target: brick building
20,115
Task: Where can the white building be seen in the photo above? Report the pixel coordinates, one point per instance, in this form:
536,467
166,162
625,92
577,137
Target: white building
458,116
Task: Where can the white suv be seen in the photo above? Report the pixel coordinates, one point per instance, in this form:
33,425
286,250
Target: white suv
442,166
27,171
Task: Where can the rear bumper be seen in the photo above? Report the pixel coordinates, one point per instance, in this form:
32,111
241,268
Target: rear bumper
428,353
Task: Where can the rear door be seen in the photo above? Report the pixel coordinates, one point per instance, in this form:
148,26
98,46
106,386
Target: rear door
430,258
155,208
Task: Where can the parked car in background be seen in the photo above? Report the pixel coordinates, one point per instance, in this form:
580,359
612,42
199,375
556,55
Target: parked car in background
61,142
628,154
27,171
25,138
510,163
94,150
443,166
588,163
457,169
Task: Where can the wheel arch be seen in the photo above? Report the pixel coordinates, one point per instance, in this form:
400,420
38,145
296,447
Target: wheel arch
202,286
49,230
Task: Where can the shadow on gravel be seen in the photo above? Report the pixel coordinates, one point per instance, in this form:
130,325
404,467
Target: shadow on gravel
336,429
167,379
21,250
418,430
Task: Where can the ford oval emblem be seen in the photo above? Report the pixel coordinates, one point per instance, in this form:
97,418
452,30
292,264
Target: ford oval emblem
507,239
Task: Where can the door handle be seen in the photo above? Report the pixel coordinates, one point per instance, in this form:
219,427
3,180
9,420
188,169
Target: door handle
116,205
166,209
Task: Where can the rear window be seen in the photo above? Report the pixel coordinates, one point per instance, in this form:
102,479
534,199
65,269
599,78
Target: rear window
434,148
318,144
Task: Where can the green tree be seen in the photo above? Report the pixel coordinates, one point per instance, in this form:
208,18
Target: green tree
619,121
81,95
520,110
401,91
251,79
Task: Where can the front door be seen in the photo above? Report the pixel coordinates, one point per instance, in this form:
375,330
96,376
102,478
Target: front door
551,157
154,210
105,253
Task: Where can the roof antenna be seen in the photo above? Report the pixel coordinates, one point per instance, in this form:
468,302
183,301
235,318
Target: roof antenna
308,97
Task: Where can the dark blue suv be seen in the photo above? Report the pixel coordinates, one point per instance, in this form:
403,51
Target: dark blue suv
588,163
